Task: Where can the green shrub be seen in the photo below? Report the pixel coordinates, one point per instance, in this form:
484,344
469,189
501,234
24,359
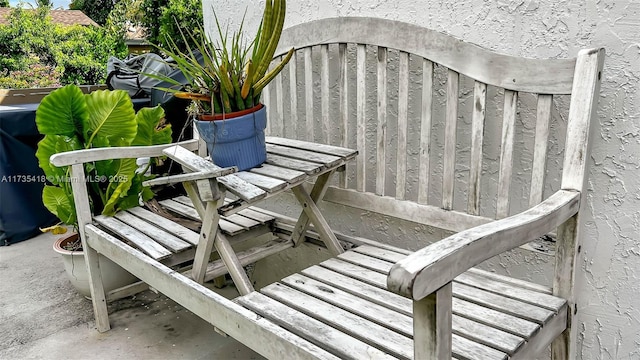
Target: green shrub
66,54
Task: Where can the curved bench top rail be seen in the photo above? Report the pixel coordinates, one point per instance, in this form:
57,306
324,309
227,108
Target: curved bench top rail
542,76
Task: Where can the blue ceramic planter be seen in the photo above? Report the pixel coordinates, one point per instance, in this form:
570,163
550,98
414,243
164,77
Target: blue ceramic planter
238,141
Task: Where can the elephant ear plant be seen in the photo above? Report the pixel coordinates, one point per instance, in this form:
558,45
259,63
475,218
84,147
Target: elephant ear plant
229,75
71,120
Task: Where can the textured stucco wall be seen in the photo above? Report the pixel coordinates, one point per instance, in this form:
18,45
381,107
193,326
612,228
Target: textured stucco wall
608,281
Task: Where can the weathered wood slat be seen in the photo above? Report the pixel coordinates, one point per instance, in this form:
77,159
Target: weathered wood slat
546,301
511,281
258,216
352,284
278,126
308,167
168,225
368,262
276,172
403,123
425,131
379,253
266,183
477,136
511,324
506,153
240,220
343,84
291,130
545,102
332,340
315,147
501,303
361,121
357,272
308,94
142,241
326,160
324,94
449,160
226,226
169,241
367,331
381,140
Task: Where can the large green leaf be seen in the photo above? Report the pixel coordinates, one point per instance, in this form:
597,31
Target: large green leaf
119,184
112,116
60,203
149,133
63,112
53,144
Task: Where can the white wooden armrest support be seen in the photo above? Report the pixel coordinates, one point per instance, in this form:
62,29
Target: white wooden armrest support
436,265
127,152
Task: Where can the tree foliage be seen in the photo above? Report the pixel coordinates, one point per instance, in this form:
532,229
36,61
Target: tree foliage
97,10
4,3
37,52
162,19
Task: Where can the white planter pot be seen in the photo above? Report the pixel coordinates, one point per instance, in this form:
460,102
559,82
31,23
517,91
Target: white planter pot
113,276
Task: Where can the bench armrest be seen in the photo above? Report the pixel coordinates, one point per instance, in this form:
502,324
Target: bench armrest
125,152
195,176
436,265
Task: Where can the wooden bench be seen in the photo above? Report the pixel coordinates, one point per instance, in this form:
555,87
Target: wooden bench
437,123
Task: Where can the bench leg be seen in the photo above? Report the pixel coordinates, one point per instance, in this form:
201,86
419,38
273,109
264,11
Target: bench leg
98,298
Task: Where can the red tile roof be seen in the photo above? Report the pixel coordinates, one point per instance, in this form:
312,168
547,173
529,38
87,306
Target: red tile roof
63,17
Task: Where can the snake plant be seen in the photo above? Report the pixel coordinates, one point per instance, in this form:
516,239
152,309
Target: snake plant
229,75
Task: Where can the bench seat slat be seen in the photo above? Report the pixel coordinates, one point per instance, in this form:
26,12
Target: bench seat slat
546,301
182,209
166,239
182,232
374,334
142,241
389,309
318,333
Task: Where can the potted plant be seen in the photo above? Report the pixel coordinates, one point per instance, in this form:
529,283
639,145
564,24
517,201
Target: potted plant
224,80
71,120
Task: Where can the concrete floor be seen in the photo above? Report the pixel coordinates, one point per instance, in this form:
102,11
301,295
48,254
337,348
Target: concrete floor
43,317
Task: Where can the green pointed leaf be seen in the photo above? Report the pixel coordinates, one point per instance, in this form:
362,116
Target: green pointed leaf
56,200
119,184
63,112
53,144
148,131
112,116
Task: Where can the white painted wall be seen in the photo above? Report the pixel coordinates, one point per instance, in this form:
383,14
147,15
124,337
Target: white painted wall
608,284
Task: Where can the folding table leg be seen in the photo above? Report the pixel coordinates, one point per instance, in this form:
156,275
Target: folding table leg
315,216
210,220
231,261
317,193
